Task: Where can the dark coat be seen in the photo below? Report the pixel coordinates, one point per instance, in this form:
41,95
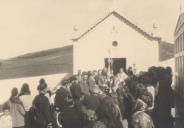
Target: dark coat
42,105
76,90
91,102
72,118
164,101
59,100
84,87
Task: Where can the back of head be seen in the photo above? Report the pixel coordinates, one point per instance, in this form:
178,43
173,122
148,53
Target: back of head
14,96
25,89
14,92
42,85
168,70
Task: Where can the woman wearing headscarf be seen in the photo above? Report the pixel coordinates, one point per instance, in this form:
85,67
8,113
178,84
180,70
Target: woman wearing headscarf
42,106
17,111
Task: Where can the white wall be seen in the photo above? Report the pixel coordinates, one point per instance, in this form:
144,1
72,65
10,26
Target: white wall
7,85
90,50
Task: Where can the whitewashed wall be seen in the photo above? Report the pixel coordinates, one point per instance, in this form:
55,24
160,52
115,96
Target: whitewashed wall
7,85
90,50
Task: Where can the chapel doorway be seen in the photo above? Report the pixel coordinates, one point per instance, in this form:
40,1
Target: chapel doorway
116,64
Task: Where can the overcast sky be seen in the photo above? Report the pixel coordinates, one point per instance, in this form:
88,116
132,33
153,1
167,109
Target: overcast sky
33,25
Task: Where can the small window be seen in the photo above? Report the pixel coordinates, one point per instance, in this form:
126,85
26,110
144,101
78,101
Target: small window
114,43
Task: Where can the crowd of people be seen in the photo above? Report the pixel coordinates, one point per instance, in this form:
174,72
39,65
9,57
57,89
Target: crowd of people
97,99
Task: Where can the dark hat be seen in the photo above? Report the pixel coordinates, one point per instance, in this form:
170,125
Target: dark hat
42,81
74,77
42,85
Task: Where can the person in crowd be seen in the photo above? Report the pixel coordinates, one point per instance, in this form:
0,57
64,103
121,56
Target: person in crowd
121,76
75,90
84,84
61,94
5,118
109,113
164,101
71,116
97,100
42,107
92,101
91,81
26,98
98,76
17,111
103,80
91,119
79,75
95,73
91,109
130,71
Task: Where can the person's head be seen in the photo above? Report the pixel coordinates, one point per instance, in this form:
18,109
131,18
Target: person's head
121,70
42,87
79,72
168,70
104,72
91,115
69,101
130,68
25,89
90,73
95,72
14,92
73,79
85,76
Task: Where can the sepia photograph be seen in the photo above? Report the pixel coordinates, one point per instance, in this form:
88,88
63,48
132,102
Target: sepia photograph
92,64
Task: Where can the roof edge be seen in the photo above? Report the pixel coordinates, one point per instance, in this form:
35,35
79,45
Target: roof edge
123,19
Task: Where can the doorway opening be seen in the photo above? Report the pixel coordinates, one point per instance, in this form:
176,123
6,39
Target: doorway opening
116,64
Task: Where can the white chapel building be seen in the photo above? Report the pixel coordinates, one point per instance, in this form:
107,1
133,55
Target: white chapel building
114,37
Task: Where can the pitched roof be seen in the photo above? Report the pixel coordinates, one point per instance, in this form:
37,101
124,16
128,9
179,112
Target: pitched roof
52,61
123,19
180,23
166,51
